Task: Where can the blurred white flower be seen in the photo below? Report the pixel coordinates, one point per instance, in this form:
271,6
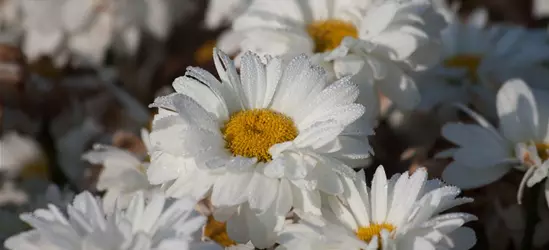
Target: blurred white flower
44,32
478,58
85,29
123,175
146,224
22,155
521,141
403,212
541,8
262,142
222,12
380,41
10,21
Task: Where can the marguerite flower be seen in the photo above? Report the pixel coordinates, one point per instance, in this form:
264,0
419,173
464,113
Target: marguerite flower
86,29
153,224
477,59
521,141
403,212
378,40
260,143
44,32
123,175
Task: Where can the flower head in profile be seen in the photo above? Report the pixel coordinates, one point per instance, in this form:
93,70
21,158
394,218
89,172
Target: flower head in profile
403,212
486,154
477,58
122,176
260,142
154,224
378,41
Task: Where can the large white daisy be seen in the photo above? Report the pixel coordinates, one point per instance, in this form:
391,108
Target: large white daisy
403,212
485,154
123,174
381,40
477,58
260,143
154,224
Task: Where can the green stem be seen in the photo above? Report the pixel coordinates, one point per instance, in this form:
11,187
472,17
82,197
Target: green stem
531,217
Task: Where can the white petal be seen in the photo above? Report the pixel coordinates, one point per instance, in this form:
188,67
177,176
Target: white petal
480,147
517,111
469,178
263,192
230,189
342,213
252,76
400,88
284,199
379,196
305,200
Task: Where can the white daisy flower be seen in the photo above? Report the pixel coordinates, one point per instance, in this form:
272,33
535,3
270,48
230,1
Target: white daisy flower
262,143
521,141
477,59
44,32
123,175
222,12
403,212
378,40
85,29
22,156
154,224
541,8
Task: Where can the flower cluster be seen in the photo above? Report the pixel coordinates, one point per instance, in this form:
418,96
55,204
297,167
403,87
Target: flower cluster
313,124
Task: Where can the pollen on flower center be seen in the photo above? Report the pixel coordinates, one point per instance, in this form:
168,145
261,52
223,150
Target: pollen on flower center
469,62
36,169
367,233
217,231
328,34
251,133
543,151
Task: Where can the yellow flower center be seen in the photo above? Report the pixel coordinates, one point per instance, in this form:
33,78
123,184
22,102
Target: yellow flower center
543,151
469,62
36,169
203,54
367,233
251,133
217,231
328,34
